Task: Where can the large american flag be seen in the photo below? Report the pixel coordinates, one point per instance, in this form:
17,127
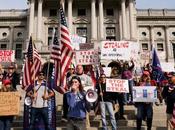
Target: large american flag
31,67
56,57
66,48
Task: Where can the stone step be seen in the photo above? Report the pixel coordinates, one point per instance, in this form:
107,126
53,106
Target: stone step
95,128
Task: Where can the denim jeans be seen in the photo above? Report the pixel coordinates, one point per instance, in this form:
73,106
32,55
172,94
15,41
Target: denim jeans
128,96
109,107
6,122
144,111
76,125
36,114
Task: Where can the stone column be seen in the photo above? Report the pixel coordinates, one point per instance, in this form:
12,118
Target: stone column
70,15
124,27
11,37
131,20
39,22
168,44
152,36
31,17
101,20
63,4
93,20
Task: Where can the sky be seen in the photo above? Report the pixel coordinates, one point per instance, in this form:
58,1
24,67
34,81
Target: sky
140,4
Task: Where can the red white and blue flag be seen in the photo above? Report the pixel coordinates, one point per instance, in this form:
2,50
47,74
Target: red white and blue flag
32,66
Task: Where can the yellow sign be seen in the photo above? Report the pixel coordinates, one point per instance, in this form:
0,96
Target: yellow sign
9,103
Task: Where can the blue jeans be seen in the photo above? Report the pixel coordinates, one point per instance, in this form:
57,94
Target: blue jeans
6,122
144,111
109,107
37,114
128,96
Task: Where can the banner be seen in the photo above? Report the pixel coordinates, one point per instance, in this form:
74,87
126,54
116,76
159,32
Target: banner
7,55
87,57
9,103
122,50
144,94
117,85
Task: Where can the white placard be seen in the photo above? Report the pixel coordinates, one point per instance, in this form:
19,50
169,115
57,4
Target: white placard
167,67
87,57
7,55
76,40
117,85
144,94
107,71
122,50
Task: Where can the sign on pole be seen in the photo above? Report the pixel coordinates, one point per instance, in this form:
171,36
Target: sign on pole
144,94
117,85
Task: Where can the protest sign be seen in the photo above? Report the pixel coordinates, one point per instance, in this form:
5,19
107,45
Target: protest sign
107,71
7,55
122,50
117,85
144,94
76,40
87,57
9,103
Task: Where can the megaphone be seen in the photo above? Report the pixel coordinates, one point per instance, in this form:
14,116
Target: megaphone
28,101
91,96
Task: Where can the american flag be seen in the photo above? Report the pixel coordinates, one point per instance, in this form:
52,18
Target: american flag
31,67
56,57
66,48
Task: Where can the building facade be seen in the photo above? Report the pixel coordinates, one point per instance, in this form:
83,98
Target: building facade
96,20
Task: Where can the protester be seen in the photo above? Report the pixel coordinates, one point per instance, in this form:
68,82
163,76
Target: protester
12,75
6,121
169,95
127,74
144,109
107,99
40,94
78,106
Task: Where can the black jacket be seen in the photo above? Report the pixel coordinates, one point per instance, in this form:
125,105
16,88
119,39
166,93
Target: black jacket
107,96
169,96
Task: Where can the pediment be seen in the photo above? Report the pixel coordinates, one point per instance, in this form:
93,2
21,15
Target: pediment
81,20
109,21
51,21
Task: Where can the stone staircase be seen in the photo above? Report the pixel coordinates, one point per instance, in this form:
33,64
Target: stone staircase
159,119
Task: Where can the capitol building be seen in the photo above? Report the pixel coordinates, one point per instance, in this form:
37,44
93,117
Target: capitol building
96,20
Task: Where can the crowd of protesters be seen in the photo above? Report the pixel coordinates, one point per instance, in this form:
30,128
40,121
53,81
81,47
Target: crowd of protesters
76,108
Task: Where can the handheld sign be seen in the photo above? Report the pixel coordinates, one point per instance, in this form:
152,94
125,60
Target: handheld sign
144,94
117,85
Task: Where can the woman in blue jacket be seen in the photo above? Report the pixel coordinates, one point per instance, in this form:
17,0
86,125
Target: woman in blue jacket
77,105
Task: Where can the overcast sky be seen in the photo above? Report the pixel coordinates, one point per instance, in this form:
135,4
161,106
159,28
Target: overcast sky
141,4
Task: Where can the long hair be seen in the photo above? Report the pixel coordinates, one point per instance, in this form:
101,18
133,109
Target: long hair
79,80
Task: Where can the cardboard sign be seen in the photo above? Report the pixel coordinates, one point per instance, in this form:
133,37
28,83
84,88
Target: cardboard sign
9,103
86,46
144,94
7,55
117,85
87,57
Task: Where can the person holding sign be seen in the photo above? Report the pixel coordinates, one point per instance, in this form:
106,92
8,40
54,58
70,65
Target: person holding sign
40,94
6,121
145,109
106,103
